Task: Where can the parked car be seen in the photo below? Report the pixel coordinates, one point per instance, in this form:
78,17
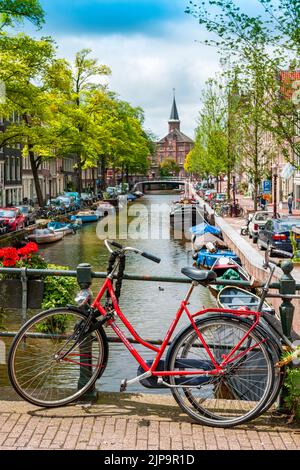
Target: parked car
276,233
29,214
3,227
209,194
12,218
257,222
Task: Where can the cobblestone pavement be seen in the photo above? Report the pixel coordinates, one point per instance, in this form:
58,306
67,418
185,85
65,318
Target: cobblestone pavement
133,422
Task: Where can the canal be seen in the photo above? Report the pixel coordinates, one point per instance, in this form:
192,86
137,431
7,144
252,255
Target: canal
150,307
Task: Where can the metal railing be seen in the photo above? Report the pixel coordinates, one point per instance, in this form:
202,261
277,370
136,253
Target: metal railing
286,285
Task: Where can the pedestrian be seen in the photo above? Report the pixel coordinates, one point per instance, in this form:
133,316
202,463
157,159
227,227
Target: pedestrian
263,202
290,203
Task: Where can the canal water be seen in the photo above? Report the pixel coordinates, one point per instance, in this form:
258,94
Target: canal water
150,306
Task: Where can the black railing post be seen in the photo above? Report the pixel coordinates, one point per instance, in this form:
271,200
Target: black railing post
287,287
84,279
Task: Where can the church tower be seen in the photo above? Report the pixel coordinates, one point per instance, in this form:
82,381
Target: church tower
174,121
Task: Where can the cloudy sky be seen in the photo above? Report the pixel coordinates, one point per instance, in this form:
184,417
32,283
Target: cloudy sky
150,45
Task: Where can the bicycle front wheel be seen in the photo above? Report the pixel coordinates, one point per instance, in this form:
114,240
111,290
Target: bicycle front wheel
48,365
235,395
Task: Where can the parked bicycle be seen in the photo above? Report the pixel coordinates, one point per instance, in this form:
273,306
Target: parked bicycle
223,369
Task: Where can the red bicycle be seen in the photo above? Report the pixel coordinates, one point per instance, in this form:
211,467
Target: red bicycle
220,368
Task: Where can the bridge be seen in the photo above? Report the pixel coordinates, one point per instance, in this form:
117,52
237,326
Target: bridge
160,184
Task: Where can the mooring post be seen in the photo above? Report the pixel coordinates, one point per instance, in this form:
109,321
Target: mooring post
84,279
24,284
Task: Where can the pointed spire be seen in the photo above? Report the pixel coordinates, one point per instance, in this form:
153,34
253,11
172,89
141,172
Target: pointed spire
174,112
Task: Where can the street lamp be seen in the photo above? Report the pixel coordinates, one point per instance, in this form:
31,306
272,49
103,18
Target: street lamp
275,176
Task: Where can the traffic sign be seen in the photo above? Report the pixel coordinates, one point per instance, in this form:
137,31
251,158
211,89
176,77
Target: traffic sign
267,186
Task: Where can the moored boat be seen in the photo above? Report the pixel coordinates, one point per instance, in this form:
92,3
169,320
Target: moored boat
104,209
64,228
228,268
43,236
219,260
87,216
236,298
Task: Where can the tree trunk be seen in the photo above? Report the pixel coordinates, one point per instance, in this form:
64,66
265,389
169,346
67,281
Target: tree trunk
103,172
78,175
256,166
34,169
127,176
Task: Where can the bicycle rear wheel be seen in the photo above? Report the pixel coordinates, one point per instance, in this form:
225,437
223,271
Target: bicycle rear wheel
48,366
225,399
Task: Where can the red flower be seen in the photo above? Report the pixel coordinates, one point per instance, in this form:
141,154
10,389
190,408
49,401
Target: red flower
28,249
9,262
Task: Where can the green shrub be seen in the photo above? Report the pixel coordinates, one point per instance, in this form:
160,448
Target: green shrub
59,290
292,384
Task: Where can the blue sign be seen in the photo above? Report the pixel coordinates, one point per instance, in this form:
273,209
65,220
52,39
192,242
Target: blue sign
267,186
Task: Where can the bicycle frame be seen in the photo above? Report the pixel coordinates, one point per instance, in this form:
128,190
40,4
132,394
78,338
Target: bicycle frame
152,370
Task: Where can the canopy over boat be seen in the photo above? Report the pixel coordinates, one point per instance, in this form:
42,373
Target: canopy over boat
203,228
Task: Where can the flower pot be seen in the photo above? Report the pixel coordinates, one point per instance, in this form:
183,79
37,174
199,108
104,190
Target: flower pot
11,293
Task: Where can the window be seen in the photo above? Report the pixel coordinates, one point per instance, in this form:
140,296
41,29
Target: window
13,169
7,168
18,169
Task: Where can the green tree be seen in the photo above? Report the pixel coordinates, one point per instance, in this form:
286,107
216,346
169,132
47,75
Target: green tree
169,167
15,11
260,46
214,150
24,63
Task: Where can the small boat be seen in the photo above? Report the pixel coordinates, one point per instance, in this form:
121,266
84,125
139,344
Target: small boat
63,227
220,260
226,262
228,268
87,216
104,209
237,298
43,236
200,242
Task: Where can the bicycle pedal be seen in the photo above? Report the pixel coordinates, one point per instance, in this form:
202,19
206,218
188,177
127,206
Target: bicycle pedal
123,385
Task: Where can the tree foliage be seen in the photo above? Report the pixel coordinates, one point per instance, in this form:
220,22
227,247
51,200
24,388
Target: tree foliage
169,167
15,11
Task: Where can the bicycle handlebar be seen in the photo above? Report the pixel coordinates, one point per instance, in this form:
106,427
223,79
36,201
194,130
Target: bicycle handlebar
153,258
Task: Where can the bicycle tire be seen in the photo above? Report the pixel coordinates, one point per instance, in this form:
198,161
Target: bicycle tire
34,368
224,400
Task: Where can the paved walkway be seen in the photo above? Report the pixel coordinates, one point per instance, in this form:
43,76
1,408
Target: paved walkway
133,422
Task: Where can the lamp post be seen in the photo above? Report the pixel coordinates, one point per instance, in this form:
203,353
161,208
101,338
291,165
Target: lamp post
275,176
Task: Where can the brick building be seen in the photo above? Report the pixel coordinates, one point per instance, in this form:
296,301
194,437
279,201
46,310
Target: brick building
175,145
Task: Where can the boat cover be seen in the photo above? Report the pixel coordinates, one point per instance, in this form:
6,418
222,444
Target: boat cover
208,259
203,228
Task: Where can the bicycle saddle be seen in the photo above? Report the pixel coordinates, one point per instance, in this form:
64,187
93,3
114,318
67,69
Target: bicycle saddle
204,277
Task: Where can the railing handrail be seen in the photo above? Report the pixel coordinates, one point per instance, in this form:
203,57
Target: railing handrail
32,273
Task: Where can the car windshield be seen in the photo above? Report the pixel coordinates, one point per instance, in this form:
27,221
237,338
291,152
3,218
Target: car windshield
262,217
25,210
4,213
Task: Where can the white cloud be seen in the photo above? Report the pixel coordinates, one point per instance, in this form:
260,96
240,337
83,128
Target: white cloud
146,69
